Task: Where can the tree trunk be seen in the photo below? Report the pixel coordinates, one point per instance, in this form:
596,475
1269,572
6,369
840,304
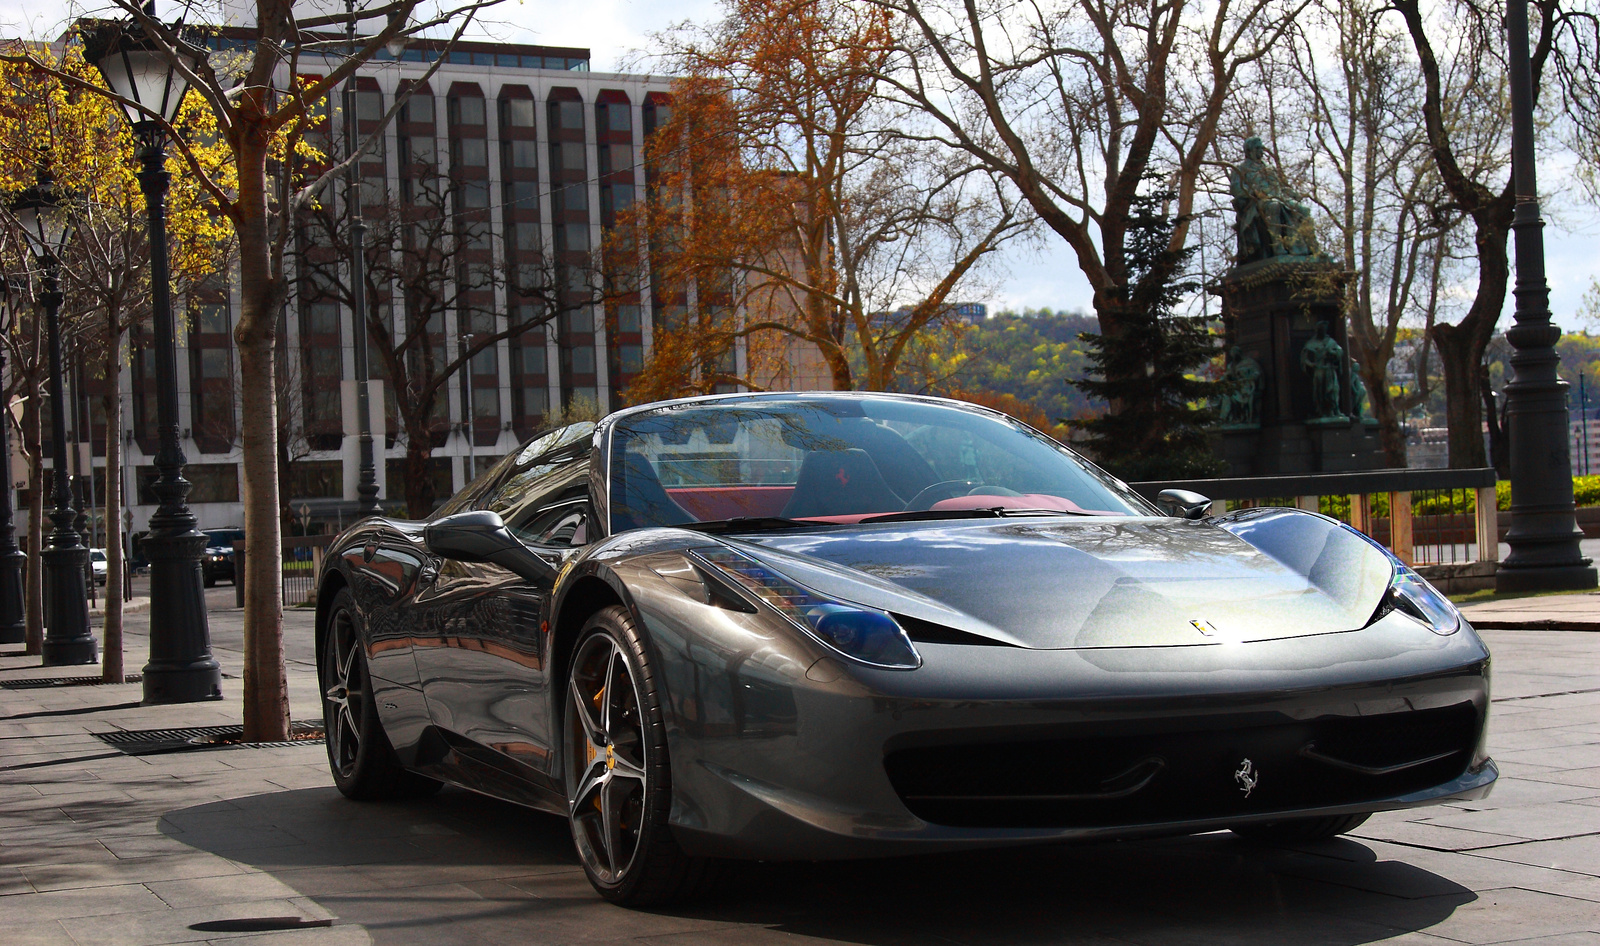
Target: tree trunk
266,693
1459,359
419,484
1461,346
32,422
111,662
1389,435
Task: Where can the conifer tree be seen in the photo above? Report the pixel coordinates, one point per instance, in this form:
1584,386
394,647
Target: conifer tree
1149,369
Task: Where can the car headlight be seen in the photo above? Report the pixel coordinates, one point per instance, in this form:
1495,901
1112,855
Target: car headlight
1412,595
863,634
1410,592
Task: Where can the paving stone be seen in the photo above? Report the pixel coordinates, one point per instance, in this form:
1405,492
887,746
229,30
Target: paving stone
83,901
176,925
1498,916
1426,834
1579,855
233,888
49,933
1531,822
1510,792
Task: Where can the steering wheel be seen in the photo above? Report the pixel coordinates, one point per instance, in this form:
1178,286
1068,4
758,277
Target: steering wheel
938,492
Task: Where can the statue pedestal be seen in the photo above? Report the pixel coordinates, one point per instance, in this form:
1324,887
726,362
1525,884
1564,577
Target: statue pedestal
1271,309
1329,446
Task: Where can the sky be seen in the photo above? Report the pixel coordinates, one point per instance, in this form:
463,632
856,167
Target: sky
1042,276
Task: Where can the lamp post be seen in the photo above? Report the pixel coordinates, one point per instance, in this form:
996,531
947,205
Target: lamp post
181,668
12,628
1544,534
67,639
367,478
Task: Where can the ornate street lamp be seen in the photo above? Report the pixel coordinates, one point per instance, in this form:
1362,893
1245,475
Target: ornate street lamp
367,479
1544,534
12,628
181,668
67,640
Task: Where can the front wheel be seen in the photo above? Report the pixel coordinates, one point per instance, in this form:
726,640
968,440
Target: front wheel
363,762
1301,830
619,788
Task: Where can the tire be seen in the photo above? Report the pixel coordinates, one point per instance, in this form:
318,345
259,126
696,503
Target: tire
1300,830
363,762
208,579
619,781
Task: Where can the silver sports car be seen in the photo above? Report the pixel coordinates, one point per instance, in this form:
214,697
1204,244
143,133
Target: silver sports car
807,626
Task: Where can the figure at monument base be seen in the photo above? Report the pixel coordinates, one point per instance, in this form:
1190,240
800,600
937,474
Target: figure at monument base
1321,358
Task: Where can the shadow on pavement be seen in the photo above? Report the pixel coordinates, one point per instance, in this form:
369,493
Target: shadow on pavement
468,869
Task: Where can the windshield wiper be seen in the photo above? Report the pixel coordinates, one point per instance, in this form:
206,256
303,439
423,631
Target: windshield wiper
987,512
749,524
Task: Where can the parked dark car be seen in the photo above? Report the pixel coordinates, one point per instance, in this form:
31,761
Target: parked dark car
813,626
217,562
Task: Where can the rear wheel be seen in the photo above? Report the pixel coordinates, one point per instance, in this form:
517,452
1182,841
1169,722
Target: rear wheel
363,762
1298,830
619,786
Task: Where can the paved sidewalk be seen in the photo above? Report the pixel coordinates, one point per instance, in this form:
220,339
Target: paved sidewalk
1574,612
206,846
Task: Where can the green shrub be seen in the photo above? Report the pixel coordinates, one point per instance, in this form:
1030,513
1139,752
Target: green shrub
1585,492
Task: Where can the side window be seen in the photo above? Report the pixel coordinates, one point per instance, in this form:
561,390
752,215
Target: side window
564,526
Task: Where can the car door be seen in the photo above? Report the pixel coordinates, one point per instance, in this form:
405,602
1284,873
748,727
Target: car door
384,567
481,655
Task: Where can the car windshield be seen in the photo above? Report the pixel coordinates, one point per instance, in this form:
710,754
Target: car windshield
95,555
842,459
222,537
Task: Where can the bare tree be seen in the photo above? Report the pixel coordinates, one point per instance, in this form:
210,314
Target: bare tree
1465,116
1354,129
1074,104
786,200
431,259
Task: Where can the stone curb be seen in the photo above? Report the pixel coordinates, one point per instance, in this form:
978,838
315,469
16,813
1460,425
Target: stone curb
1539,624
128,607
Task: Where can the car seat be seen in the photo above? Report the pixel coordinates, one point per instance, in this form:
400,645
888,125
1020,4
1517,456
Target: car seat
840,483
641,500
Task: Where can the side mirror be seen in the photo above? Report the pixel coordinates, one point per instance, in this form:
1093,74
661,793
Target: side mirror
481,536
1183,504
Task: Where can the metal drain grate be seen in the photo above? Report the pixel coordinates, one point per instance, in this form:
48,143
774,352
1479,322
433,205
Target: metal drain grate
43,683
152,741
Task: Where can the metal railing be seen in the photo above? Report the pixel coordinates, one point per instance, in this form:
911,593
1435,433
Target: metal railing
302,558
1445,523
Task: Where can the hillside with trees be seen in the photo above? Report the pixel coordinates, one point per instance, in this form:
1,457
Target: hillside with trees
1032,356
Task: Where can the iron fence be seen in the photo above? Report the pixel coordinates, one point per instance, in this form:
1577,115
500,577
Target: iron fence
302,558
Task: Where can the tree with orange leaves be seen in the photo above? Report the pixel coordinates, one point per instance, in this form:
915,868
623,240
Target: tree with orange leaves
786,204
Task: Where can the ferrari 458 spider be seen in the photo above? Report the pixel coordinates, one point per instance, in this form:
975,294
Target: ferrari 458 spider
811,626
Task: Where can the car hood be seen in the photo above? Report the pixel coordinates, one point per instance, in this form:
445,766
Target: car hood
1077,583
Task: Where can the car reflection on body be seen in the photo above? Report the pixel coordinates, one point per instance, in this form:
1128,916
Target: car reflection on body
811,626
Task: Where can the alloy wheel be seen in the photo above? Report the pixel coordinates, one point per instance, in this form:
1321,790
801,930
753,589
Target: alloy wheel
345,692
607,781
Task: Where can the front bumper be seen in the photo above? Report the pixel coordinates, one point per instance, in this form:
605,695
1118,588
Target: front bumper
781,754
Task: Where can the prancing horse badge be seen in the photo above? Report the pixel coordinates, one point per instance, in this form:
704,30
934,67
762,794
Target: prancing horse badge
1247,776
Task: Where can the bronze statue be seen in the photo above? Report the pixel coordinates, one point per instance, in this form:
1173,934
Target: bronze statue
1358,394
1322,358
1241,405
1270,219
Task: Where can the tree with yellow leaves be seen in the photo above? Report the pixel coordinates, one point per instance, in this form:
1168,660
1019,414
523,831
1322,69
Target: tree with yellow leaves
265,98
48,124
